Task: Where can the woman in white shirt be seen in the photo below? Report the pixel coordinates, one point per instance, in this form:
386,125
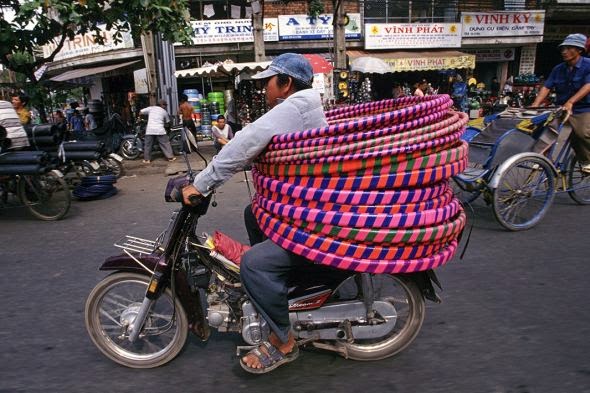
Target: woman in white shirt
222,133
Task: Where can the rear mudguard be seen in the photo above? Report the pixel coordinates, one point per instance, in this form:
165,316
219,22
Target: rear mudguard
191,301
424,281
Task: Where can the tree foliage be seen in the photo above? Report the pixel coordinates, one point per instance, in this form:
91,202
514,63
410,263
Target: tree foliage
39,22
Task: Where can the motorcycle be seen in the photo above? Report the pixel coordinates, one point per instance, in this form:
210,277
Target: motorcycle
132,144
140,315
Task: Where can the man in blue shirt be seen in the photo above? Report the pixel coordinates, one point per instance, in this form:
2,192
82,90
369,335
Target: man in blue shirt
571,80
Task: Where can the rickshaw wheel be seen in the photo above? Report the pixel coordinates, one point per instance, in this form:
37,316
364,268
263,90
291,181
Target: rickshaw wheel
578,183
524,193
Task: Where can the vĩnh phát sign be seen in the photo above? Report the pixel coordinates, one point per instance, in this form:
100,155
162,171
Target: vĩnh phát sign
305,27
224,31
412,35
501,23
85,44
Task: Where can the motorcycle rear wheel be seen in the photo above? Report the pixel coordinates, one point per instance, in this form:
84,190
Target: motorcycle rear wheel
404,294
115,302
46,196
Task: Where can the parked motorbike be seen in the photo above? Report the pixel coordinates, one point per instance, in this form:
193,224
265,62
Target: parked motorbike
132,144
140,315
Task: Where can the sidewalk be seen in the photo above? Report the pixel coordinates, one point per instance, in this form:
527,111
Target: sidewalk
160,165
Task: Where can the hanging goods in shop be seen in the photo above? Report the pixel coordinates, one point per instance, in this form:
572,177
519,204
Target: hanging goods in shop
342,85
369,192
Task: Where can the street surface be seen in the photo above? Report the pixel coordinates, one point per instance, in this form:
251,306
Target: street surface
514,316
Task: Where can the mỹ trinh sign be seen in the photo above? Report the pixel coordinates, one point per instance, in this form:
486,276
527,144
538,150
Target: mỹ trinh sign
412,35
500,23
305,27
85,44
225,31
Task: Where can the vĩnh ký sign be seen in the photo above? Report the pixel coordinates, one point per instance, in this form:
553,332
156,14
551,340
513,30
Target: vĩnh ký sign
224,31
305,27
412,35
501,23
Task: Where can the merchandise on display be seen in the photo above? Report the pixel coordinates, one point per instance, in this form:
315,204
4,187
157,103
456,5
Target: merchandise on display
250,102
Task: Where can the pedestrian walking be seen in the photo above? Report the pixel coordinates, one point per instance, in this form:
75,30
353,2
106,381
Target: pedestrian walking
186,112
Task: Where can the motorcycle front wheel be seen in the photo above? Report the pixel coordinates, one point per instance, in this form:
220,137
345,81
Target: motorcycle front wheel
112,166
112,306
408,301
129,149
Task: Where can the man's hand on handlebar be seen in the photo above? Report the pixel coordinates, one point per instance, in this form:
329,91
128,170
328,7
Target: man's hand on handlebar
190,195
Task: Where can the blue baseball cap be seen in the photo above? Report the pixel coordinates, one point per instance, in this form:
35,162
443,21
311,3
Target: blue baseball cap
292,64
577,40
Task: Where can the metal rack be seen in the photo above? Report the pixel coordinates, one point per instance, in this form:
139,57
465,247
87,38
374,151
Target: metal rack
136,245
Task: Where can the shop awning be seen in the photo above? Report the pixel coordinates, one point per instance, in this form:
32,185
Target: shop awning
87,72
401,61
222,69
239,67
192,72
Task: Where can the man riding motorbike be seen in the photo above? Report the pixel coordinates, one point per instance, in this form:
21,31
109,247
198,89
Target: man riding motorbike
265,267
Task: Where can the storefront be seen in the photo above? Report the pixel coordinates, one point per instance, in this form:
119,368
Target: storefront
504,43
106,71
406,68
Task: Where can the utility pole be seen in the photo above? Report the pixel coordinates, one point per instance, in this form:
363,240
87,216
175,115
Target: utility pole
257,26
149,58
339,36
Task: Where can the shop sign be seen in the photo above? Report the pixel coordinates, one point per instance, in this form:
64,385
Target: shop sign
141,81
412,35
492,55
499,23
417,63
305,27
85,44
318,83
224,31
528,56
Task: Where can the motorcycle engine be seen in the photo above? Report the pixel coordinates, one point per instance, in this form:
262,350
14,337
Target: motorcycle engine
219,313
255,330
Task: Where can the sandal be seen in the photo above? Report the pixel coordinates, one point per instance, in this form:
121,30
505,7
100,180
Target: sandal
172,159
270,361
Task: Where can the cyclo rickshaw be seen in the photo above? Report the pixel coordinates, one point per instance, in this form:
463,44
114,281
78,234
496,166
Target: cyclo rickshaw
518,161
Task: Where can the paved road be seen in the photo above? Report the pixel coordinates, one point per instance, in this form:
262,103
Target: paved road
514,317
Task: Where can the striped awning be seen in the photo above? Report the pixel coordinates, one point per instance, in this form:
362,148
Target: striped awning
222,69
427,60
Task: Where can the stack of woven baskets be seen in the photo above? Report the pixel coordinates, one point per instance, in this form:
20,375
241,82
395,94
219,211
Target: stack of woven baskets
369,192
